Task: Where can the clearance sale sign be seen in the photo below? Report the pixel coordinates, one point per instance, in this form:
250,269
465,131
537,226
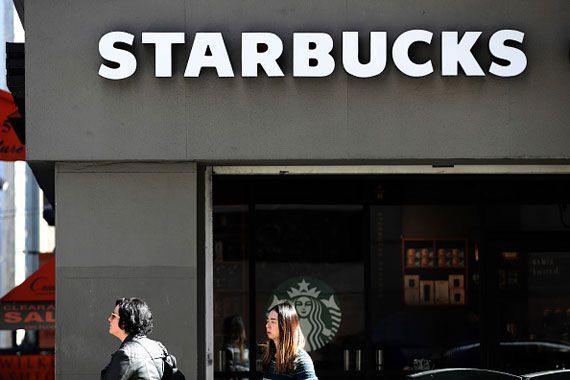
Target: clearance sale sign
31,305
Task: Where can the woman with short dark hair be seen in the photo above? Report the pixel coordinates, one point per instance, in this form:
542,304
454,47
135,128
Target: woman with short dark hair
285,357
134,316
138,357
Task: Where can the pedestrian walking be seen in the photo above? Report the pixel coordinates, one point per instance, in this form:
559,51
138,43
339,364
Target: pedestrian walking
138,357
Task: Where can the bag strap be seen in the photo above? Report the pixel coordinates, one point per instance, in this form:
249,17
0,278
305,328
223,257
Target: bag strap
149,354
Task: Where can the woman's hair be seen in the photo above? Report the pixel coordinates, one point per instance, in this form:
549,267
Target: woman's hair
134,316
234,334
290,339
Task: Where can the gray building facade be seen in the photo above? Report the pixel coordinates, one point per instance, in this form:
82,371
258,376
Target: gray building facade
132,157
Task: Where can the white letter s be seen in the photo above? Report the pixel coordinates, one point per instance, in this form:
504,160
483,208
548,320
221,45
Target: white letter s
516,57
126,60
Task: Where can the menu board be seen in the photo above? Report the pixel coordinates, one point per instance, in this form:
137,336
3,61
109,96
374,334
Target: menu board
549,271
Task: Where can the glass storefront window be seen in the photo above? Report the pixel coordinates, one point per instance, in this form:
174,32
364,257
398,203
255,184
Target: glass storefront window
231,289
533,287
312,256
395,278
424,285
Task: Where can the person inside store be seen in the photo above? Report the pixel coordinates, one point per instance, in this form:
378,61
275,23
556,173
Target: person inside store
285,357
234,344
138,357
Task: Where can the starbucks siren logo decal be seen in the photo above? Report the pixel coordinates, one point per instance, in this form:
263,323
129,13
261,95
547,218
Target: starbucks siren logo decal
317,307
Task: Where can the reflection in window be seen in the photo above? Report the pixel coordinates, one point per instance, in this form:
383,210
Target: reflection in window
231,289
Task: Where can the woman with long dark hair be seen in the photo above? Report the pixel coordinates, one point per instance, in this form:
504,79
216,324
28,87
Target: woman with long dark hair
285,357
234,344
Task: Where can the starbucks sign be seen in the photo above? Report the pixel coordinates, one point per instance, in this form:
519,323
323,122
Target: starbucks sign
317,306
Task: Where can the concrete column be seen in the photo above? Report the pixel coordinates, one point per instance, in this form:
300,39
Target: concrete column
124,229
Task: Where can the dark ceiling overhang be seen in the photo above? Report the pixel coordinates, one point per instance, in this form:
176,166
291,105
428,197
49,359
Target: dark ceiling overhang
19,5
44,171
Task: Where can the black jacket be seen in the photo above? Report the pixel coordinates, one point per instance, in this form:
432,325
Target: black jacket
132,361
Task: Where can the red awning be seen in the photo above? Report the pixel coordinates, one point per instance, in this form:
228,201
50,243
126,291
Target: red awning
40,286
31,305
11,148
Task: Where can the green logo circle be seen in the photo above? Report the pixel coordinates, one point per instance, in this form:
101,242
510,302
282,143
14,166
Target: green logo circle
317,306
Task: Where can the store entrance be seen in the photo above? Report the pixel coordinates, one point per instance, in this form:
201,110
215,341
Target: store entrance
391,274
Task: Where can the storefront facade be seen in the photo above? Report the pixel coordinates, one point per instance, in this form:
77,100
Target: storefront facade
186,153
